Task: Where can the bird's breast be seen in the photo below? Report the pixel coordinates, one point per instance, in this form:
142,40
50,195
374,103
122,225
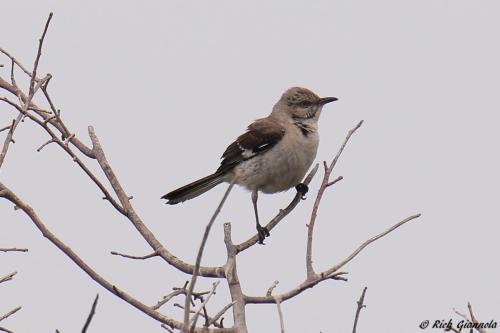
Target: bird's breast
283,166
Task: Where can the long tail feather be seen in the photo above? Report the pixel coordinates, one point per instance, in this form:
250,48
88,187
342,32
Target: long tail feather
194,189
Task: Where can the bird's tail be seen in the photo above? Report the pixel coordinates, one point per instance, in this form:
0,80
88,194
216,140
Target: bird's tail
194,189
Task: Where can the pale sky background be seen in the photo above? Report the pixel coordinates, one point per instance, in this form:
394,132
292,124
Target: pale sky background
169,84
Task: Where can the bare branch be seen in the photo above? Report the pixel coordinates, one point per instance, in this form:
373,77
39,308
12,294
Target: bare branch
233,281
202,306
8,138
10,196
130,213
307,284
187,302
3,329
38,55
32,92
5,128
12,249
280,314
14,60
207,319
331,273
12,74
167,328
23,112
368,242
147,256
319,196
471,318
44,115
180,291
91,314
220,313
358,310
168,298
339,178
10,313
65,147
7,277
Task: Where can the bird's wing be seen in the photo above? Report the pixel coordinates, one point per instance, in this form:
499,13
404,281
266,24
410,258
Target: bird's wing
261,136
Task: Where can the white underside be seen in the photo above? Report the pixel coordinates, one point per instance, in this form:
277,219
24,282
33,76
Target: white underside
283,166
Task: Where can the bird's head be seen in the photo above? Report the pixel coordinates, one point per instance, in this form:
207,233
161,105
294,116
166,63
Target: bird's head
301,104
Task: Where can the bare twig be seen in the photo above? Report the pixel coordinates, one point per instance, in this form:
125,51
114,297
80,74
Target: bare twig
3,329
271,288
280,314
5,128
14,60
12,75
45,144
22,114
8,138
43,114
471,318
168,298
220,313
187,302
39,54
339,178
204,315
202,306
12,249
32,91
368,242
91,314
10,313
324,184
180,291
7,277
358,310
147,256
167,328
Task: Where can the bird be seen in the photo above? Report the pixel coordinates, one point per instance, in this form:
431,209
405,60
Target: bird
273,155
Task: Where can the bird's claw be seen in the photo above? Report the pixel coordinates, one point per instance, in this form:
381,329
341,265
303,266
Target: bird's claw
262,233
302,189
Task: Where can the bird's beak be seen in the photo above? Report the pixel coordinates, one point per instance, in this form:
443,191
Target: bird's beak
325,100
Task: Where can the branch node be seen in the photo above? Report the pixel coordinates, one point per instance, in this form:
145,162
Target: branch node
271,288
45,144
68,139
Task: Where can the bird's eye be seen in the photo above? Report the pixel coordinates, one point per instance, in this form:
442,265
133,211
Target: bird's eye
305,104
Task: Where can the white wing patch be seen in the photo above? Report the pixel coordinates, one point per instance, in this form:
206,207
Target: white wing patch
246,153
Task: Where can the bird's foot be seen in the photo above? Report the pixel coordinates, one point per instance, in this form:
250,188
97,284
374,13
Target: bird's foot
302,189
263,233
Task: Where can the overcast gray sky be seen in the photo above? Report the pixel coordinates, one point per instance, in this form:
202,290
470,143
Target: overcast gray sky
168,84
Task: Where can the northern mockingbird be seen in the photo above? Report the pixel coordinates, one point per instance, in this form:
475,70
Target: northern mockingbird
273,155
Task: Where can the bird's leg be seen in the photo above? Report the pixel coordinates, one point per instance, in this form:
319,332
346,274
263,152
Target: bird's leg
261,231
302,189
